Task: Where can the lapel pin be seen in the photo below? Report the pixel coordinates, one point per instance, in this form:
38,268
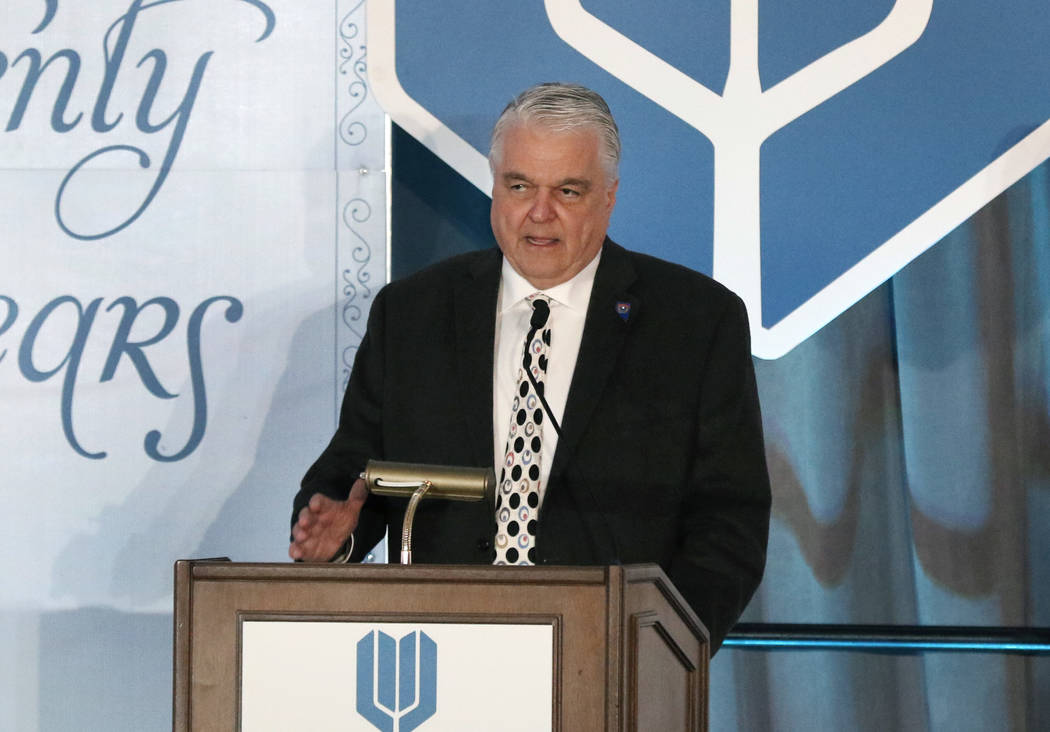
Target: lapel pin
623,309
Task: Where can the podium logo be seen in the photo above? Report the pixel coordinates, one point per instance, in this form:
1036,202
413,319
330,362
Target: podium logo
396,680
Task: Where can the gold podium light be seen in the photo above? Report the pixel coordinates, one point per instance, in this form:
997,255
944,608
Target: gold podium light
431,481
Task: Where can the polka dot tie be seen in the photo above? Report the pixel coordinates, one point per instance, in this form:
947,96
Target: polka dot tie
518,497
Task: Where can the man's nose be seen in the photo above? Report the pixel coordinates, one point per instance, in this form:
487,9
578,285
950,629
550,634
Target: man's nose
541,210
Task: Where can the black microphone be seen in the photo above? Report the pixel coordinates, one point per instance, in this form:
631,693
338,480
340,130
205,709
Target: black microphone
540,312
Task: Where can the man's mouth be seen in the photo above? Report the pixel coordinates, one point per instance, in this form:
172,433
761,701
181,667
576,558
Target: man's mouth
541,241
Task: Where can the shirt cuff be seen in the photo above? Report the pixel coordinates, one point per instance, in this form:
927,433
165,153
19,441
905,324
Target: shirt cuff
343,557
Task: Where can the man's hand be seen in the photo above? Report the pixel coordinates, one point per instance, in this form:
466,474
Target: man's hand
325,524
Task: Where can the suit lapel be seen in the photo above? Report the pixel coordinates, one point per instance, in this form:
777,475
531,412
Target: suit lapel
603,336
475,309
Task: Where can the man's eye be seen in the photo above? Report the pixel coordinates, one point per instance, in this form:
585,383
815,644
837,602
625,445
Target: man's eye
517,186
570,192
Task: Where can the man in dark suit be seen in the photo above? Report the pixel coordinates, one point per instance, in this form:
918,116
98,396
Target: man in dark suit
651,446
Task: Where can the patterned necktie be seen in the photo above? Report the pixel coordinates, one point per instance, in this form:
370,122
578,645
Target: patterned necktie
518,499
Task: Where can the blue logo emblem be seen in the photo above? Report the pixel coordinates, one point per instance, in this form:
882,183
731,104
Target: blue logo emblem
396,680
801,153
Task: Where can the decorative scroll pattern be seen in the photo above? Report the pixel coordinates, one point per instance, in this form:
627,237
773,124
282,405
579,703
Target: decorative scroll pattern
351,130
356,292
360,198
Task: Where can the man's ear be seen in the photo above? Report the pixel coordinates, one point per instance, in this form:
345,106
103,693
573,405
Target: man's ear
611,194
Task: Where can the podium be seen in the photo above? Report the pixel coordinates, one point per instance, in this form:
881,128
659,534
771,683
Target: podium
618,647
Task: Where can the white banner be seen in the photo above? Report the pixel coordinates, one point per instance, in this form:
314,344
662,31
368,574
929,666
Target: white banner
193,203
396,676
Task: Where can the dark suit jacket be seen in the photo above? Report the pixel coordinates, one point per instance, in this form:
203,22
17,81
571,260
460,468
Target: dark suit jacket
661,456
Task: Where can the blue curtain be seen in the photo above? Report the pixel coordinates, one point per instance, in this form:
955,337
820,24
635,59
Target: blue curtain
909,445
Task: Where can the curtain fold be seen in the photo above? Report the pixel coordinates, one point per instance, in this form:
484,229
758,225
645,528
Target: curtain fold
909,449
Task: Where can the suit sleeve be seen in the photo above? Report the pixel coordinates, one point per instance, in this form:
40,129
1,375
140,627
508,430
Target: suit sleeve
358,437
725,521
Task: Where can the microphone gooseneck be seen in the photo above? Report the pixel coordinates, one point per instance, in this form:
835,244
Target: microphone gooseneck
540,312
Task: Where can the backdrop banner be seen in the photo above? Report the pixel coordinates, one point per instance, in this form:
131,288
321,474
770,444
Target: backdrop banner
801,153
194,220
193,202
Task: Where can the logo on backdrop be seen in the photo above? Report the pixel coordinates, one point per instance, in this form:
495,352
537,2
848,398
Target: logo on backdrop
800,153
103,118
396,680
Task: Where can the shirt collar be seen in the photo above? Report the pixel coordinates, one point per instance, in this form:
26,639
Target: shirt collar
574,294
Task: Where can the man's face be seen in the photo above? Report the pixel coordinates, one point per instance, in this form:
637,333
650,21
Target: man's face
551,202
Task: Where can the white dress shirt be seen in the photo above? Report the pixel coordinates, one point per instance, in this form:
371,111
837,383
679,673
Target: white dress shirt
513,312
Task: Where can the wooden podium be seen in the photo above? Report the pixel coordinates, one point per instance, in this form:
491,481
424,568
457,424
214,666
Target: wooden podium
628,652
